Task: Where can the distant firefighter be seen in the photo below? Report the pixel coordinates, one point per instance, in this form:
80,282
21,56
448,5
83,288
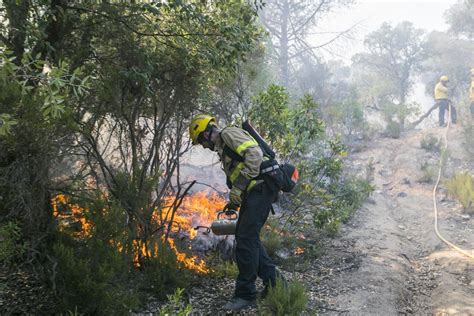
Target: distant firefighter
441,95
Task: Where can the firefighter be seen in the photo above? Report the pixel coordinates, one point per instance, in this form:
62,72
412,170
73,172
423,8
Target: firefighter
471,93
441,94
254,197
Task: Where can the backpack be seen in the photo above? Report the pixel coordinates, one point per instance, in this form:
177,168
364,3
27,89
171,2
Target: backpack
279,177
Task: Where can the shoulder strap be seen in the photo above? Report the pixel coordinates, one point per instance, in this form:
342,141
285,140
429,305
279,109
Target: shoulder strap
232,154
229,152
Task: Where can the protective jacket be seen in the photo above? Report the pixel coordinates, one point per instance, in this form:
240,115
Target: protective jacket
240,174
471,91
441,92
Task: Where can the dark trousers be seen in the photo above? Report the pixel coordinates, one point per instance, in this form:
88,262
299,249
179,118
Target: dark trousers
252,259
443,105
472,109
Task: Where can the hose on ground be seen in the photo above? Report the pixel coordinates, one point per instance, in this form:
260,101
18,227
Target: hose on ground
435,207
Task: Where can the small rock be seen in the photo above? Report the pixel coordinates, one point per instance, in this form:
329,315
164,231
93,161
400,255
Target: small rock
401,227
465,216
283,253
406,181
402,194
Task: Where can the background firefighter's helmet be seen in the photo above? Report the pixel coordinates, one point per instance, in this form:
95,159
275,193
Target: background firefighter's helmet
444,78
199,124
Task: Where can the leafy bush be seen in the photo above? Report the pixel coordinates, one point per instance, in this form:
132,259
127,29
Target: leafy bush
430,143
92,278
284,299
428,173
347,120
175,306
299,136
468,133
393,129
396,114
11,247
224,269
343,201
163,273
461,186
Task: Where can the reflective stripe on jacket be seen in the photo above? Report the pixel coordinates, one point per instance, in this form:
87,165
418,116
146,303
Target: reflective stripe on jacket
440,91
239,173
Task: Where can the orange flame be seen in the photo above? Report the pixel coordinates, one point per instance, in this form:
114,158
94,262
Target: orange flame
73,214
197,209
299,251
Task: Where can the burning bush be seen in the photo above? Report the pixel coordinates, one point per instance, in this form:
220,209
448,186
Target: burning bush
97,246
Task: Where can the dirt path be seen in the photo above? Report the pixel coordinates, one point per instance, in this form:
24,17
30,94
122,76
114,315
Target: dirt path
389,260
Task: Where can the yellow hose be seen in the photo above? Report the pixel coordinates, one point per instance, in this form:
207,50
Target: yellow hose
458,249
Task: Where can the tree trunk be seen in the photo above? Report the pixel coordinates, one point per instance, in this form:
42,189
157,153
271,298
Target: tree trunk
17,15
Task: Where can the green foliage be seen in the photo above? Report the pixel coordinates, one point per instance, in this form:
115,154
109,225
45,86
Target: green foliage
449,56
299,136
284,299
461,186
11,246
175,306
393,129
92,277
460,18
428,173
468,137
341,202
224,269
270,112
28,87
430,143
389,49
6,124
145,68
164,273
347,119
396,114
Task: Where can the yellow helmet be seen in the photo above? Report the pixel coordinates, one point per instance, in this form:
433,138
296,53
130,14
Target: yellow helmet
199,124
444,78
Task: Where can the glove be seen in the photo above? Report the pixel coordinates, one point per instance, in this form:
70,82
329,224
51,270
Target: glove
235,196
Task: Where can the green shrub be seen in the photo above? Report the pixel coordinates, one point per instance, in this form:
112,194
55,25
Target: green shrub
461,186
284,299
11,247
163,273
430,143
393,129
92,278
224,269
175,306
341,202
428,173
468,133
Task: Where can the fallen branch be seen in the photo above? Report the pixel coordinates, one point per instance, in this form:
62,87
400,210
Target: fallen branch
414,124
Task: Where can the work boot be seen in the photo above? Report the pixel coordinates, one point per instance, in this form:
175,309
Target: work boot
237,304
